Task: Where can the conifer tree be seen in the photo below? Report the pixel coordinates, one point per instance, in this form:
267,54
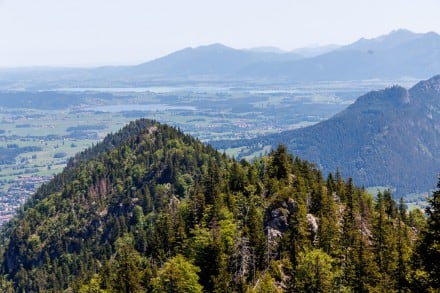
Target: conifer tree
428,250
328,229
127,267
315,272
280,163
385,242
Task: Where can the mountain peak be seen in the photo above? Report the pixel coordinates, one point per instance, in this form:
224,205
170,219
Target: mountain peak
429,89
391,40
214,47
384,100
433,83
401,33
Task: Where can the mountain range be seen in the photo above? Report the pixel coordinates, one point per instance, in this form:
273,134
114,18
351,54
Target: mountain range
389,137
399,54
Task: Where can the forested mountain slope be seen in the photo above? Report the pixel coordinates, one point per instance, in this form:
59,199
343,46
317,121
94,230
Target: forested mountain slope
389,137
152,209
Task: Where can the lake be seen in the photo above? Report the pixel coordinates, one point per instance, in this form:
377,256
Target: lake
140,107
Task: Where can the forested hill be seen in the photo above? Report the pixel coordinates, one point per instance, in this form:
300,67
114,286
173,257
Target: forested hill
389,137
150,209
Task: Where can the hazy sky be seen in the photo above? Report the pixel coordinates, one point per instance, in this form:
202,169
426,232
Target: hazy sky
97,32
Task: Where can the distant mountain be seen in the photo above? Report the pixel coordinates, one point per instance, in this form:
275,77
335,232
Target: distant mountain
396,55
399,54
309,52
214,60
266,49
392,40
389,137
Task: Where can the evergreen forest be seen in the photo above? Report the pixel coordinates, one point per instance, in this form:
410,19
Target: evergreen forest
151,209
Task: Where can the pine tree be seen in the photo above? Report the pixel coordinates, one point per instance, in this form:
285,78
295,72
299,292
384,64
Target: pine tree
428,250
328,229
127,266
315,272
385,243
280,163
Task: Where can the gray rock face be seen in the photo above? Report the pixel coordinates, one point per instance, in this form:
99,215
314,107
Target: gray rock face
313,225
279,218
278,222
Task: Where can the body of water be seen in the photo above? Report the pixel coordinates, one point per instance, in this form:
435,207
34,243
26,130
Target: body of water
140,107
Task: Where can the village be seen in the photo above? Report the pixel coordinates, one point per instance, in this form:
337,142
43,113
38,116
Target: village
18,191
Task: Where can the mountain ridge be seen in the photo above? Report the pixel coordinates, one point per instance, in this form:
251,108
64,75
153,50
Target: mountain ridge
388,137
416,56
381,57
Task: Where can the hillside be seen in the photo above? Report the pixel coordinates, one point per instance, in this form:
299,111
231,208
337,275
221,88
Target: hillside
152,209
389,137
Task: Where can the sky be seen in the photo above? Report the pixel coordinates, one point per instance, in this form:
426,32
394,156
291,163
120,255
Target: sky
116,32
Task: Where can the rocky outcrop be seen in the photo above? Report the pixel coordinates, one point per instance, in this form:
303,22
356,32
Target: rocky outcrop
278,221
